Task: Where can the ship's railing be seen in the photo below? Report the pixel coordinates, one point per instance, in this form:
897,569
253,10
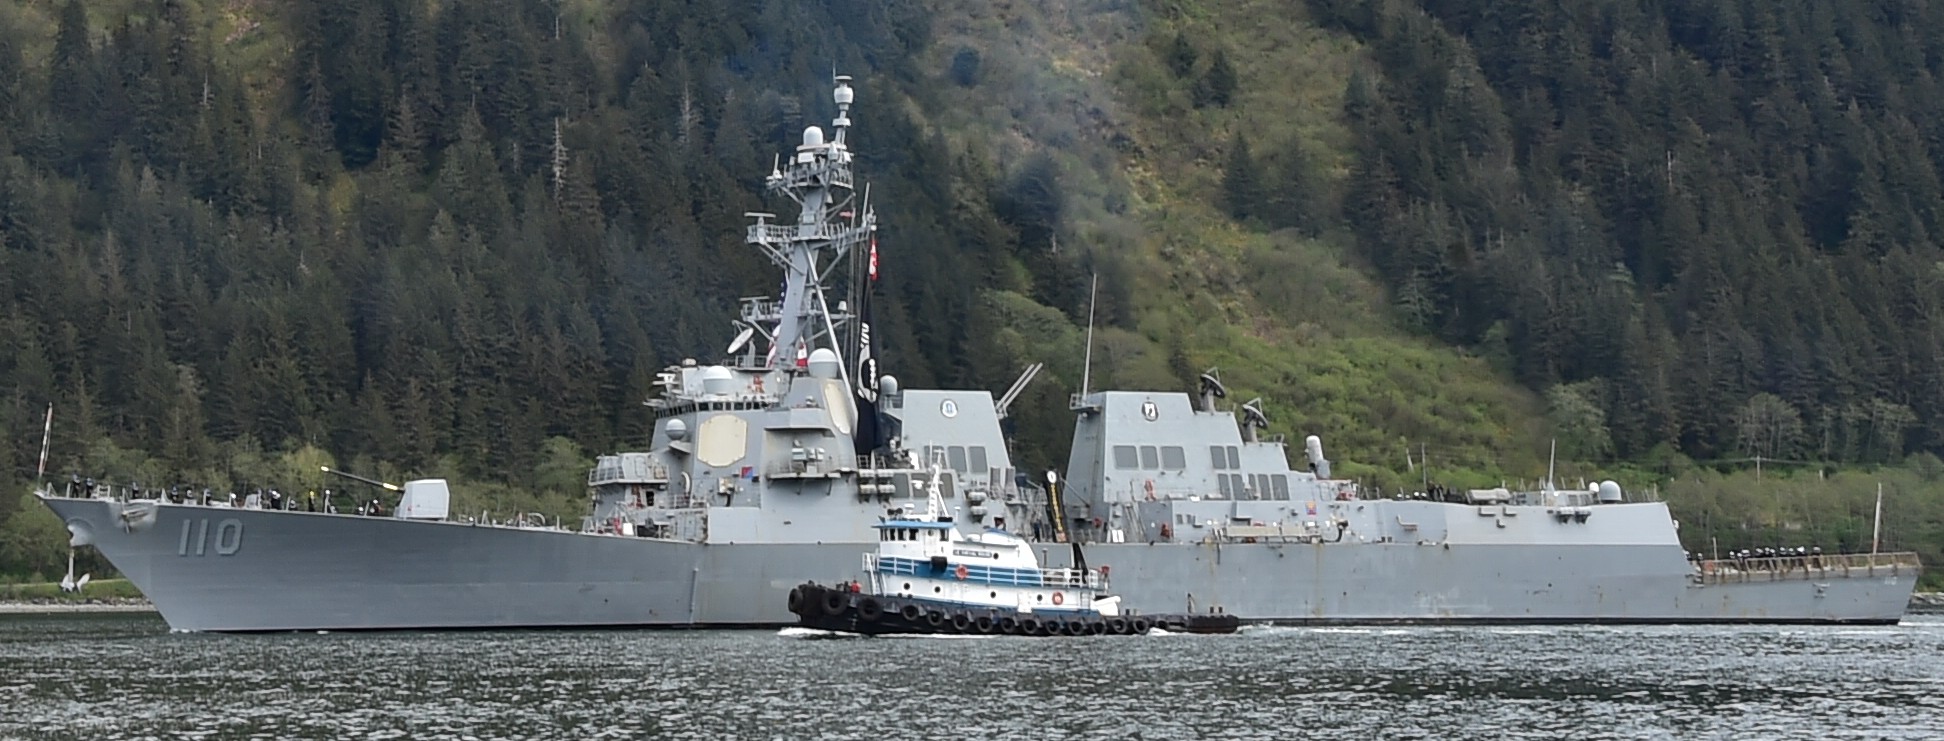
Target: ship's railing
618,474
767,233
802,175
1780,568
1049,578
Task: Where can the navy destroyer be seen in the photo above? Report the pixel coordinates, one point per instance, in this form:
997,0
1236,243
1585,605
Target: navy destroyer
771,468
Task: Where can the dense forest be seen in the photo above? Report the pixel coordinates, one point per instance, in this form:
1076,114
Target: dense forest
240,239
1665,210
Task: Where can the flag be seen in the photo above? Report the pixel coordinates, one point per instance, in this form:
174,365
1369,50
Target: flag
870,434
47,433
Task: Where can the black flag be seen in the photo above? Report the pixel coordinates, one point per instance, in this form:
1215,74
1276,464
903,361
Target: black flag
870,434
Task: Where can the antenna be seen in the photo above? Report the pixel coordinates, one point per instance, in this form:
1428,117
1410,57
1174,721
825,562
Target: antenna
1086,364
1551,459
1876,525
47,434
1012,394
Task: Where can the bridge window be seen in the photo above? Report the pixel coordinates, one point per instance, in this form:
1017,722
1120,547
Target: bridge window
1124,457
1172,458
978,461
1223,480
1280,483
1150,459
1235,485
957,454
1217,457
1234,458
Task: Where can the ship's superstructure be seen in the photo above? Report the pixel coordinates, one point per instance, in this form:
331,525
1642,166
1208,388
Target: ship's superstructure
1173,493
772,465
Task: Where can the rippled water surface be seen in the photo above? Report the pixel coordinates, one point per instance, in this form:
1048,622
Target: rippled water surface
124,676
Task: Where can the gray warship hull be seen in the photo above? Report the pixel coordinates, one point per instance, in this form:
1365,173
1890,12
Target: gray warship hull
236,570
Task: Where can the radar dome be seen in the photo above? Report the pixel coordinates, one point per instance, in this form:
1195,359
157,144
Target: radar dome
888,385
1610,493
823,363
677,429
718,381
813,137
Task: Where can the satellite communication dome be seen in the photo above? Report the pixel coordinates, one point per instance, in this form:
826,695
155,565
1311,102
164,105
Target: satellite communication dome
823,363
718,381
1610,493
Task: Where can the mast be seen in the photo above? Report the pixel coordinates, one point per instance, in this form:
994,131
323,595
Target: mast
818,178
1876,524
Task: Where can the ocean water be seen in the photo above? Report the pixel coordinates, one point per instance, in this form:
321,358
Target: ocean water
125,677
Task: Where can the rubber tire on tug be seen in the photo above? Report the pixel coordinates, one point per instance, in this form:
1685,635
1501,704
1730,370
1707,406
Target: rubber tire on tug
1076,627
911,612
1117,626
935,618
1009,625
796,599
961,622
985,625
833,603
1140,626
1029,627
868,610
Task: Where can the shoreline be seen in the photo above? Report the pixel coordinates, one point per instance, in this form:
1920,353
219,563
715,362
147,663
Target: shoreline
57,607
1921,603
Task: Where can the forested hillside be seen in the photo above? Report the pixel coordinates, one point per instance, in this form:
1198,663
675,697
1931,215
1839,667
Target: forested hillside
242,238
1715,221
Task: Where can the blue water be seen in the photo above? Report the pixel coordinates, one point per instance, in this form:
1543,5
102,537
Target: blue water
123,676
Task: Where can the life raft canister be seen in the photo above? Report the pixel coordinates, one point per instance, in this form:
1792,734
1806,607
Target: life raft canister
961,572
1059,598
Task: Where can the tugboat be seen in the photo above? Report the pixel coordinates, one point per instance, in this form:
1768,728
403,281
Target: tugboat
926,577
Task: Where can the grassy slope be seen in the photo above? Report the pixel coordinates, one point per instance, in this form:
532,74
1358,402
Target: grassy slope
1292,319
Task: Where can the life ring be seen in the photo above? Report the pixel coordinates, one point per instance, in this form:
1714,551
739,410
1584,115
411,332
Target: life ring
833,602
1059,598
868,610
961,572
